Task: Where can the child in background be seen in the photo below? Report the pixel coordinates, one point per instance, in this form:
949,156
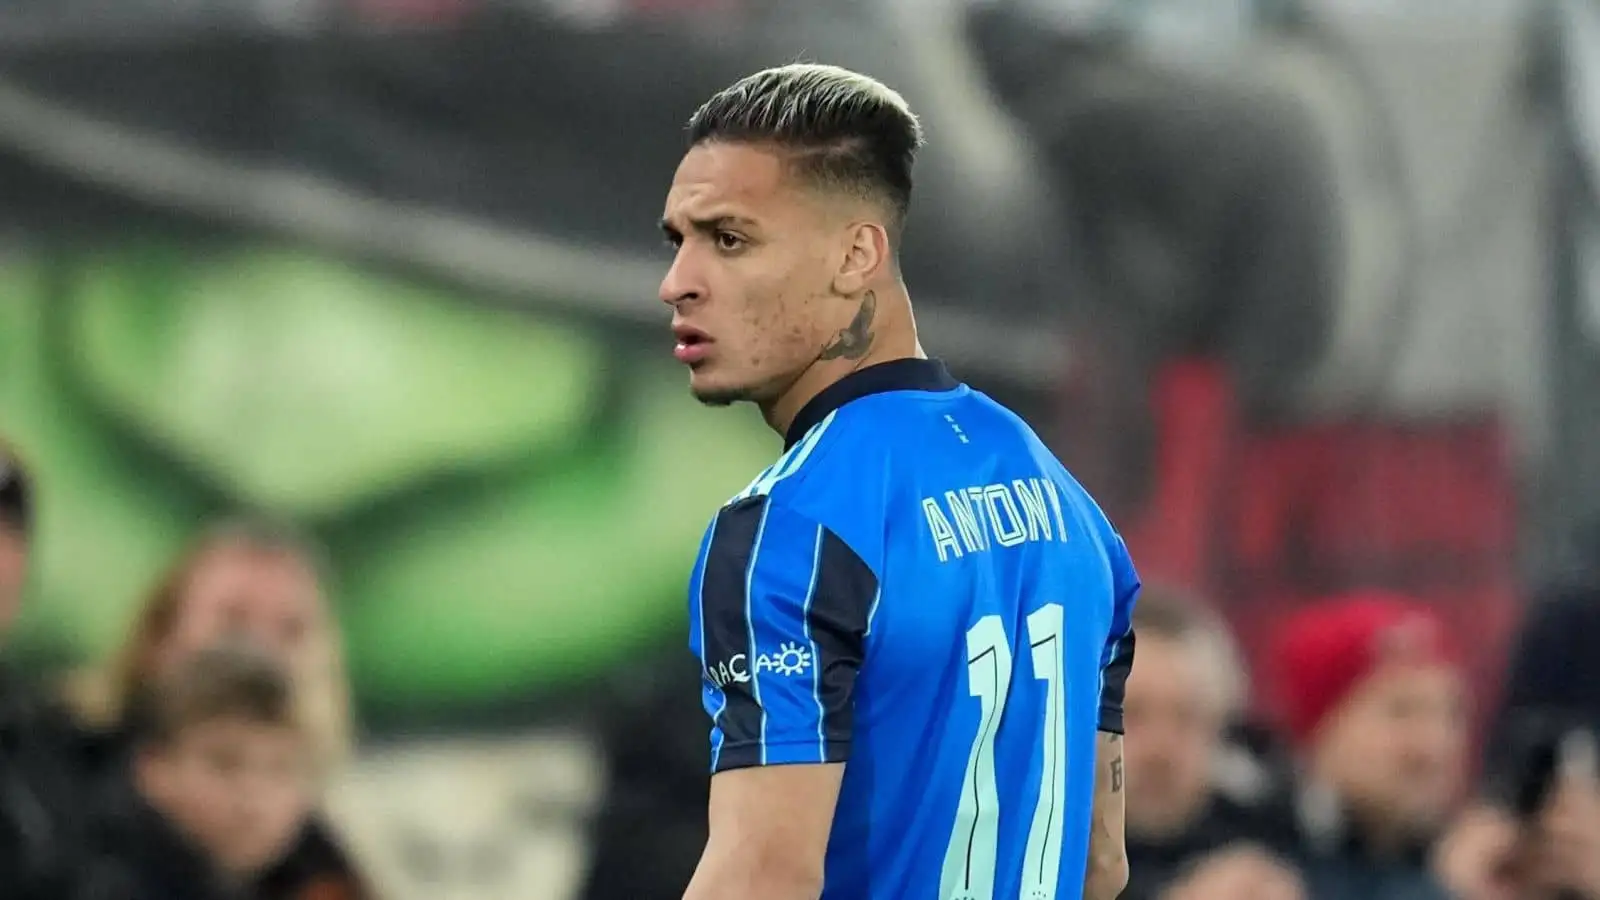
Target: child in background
243,580
221,785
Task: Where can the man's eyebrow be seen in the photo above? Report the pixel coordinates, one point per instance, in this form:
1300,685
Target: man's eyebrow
708,224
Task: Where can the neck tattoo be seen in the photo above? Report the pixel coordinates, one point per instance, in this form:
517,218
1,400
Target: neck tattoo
854,340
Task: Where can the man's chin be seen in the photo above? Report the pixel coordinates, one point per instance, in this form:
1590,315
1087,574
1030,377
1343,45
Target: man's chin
717,395
718,398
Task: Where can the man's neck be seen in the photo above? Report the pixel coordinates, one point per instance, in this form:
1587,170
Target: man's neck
893,337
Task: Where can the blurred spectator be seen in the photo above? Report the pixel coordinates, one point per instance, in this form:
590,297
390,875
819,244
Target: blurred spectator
1241,872
1186,689
1536,834
219,787
16,516
1554,672
651,826
253,581
41,794
1376,702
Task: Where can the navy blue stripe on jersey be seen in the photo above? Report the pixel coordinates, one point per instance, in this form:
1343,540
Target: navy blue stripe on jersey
840,616
1116,660
782,605
1113,682
724,624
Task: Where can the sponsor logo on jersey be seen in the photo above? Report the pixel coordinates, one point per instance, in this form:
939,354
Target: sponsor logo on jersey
789,660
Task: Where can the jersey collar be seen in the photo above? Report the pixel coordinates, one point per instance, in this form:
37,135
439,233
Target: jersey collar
896,375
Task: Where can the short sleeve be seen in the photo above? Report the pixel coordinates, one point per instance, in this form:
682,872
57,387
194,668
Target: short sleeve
1116,660
778,607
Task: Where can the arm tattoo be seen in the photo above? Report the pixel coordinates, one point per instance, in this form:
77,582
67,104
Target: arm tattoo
854,340
1116,764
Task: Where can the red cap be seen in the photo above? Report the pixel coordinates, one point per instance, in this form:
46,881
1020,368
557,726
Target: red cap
1323,652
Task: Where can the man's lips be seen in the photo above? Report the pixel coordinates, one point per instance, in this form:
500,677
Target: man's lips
693,344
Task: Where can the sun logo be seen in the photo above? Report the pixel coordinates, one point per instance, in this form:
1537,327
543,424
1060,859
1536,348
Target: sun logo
790,659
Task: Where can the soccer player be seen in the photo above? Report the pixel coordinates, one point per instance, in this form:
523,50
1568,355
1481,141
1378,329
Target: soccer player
914,626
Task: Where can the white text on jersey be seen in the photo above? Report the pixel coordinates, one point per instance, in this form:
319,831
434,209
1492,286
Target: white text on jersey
981,517
788,659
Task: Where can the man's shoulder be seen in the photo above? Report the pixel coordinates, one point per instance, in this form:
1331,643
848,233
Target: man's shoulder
778,515
798,461
811,524
828,473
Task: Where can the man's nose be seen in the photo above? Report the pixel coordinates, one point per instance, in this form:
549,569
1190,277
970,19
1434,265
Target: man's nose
681,283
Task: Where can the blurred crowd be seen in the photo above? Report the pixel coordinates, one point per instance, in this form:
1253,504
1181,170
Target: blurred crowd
1302,290
1356,772
1366,787
190,766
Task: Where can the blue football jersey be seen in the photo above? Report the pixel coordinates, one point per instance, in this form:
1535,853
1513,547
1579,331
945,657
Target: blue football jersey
918,589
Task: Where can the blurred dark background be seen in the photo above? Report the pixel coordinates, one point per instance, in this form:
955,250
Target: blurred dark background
1302,290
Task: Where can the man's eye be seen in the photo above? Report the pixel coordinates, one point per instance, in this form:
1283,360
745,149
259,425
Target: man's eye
729,241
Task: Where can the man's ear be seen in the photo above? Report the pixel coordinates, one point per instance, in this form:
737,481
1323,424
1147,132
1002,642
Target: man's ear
865,257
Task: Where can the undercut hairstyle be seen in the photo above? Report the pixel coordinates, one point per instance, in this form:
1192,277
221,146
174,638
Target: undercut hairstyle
840,130
16,494
231,681
1163,612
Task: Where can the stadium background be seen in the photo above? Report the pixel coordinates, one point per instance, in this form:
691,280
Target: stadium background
1296,287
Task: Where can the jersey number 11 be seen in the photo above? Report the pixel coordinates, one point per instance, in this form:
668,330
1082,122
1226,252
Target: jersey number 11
969,863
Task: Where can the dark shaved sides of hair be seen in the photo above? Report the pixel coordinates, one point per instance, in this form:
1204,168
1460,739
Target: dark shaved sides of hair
840,130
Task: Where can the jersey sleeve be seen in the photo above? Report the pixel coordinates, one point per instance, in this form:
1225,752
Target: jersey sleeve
779,616
1116,661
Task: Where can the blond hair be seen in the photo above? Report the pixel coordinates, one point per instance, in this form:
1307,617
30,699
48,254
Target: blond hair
107,697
